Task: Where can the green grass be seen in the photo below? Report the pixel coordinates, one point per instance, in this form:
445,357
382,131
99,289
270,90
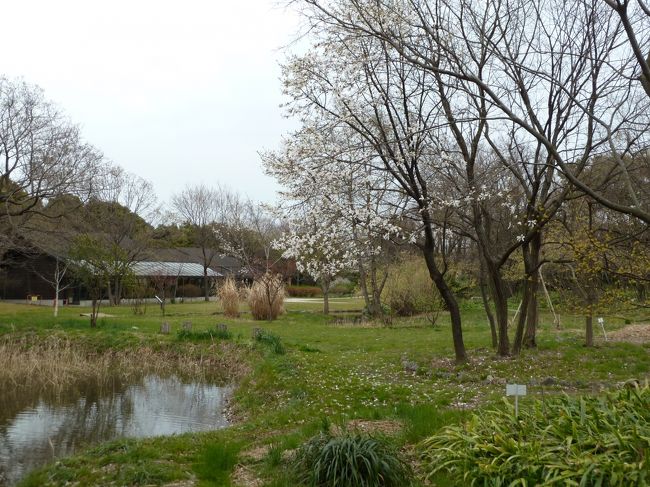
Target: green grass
329,374
217,462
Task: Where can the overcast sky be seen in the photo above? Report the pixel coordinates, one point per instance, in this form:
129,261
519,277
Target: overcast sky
177,92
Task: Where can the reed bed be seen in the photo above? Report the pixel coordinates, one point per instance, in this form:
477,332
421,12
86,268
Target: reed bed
54,362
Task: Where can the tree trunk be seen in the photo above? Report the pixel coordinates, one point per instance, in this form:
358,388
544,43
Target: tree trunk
364,286
521,320
499,296
325,286
110,292
93,313
533,269
641,292
206,290
589,329
117,297
56,299
447,296
486,305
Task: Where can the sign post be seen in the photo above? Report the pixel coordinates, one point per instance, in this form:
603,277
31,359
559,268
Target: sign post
601,322
516,390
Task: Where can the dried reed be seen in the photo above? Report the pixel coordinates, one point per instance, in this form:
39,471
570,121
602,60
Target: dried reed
54,362
229,297
266,297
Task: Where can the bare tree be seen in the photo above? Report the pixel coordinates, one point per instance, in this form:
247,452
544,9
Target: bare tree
119,218
202,208
42,156
635,17
532,45
56,279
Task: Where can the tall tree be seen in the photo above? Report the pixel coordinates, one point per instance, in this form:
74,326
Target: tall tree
42,156
202,208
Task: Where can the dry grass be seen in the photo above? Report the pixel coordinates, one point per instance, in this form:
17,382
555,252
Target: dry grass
229,297
54,362
266,297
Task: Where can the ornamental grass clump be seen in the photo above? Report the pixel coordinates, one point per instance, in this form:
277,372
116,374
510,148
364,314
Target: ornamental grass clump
350,461
229,297
562,441
266,297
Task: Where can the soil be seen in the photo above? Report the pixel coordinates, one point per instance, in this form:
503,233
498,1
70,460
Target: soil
637,333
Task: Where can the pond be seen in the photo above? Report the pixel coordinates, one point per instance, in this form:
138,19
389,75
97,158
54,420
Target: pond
36,430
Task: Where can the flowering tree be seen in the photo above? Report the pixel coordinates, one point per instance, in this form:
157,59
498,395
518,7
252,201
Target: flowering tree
318,251
339,208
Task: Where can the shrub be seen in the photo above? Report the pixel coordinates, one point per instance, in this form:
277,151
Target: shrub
266,297
562,441
189,291
409,289
342,287
350,461
229,297
304,291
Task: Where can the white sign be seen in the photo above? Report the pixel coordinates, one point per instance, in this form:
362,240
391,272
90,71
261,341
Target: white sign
601,322
515,390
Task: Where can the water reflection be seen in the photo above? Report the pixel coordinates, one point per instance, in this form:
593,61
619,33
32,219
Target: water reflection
34,430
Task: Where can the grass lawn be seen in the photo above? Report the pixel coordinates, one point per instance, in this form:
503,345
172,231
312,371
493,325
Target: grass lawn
333,374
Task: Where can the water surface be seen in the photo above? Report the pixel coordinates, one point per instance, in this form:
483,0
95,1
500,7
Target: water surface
36,428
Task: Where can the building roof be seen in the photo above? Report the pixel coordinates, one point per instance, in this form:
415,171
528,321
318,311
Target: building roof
171,269
191,254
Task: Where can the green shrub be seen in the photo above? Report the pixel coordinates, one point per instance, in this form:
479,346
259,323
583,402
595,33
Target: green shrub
350,461
409,289
304,291
563,441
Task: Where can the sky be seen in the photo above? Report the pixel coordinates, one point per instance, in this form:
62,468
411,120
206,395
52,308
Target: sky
180,93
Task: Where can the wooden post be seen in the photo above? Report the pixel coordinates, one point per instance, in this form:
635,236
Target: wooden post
165,328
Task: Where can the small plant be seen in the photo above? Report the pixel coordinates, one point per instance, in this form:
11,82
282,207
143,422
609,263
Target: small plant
274,456
350,461
270,340
562,441
266,297
229,297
